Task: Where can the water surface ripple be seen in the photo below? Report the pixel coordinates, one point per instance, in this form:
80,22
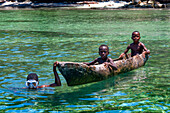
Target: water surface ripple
31,40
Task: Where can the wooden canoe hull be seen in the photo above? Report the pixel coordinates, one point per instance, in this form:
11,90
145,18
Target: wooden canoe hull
79,73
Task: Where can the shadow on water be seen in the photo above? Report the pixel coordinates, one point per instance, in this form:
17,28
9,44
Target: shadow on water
83,91
64,95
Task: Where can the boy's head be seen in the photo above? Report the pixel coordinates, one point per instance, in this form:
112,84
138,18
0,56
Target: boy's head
136,36
32,81
103,51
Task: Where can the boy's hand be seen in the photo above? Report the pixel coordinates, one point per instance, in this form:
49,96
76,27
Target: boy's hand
106,63
110,66
145,53
85,63
56,63
121,56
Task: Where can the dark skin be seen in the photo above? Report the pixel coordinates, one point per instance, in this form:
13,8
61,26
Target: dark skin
103,52
57,79
136,47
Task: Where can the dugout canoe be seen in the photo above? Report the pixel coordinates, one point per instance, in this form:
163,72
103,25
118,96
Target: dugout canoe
79,73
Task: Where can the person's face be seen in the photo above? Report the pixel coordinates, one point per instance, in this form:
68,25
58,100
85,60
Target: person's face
31,84
135,37
103,52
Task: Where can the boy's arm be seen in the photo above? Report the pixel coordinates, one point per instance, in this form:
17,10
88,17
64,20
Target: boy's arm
91,63
57,79
43,86
127,49
146,51
112,64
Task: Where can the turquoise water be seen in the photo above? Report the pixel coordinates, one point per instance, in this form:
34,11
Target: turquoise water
32,40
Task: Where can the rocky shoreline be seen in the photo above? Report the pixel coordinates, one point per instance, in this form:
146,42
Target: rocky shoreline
97,5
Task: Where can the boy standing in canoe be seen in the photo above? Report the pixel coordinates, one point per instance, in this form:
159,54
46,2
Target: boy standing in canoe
136,47
103,52
32,80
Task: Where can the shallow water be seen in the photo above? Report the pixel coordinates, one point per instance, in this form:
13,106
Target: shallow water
31,40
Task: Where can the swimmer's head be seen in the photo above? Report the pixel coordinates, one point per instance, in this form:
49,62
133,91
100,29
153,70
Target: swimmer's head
32,81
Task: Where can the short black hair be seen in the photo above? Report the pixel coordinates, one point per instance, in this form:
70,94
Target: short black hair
135,31
103,45
32,76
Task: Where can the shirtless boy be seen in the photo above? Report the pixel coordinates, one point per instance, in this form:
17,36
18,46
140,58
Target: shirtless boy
103,52
136,47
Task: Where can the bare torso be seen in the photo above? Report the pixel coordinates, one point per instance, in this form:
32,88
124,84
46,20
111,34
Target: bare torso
136,48
101,61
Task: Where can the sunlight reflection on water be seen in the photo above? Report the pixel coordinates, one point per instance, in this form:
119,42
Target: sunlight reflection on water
34,49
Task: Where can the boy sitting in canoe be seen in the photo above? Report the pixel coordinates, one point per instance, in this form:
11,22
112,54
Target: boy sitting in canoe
136,47
103,52
32,80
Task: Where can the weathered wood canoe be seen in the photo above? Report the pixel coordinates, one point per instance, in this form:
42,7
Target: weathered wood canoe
79,73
